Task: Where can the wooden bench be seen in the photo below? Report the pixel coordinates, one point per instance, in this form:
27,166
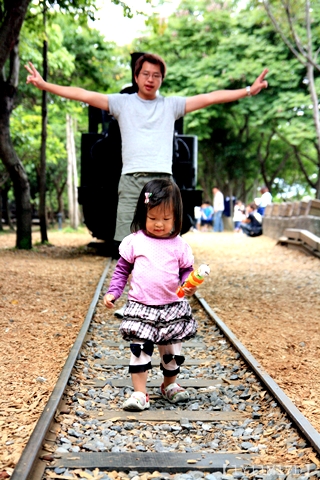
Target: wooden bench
310,239
292,233
302,240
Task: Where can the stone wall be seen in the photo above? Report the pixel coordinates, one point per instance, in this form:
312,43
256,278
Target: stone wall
300,215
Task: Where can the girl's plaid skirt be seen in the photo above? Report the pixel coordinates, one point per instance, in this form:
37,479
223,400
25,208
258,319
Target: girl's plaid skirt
161,324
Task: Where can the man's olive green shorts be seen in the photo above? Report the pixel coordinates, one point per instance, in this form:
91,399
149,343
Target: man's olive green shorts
129,189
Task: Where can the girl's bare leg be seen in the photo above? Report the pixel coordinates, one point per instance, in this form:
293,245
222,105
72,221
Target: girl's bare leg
168,380
139,381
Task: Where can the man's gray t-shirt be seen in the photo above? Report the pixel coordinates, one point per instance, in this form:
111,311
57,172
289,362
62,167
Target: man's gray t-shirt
147,128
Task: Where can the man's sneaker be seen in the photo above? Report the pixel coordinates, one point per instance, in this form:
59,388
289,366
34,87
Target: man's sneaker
138,401
174,393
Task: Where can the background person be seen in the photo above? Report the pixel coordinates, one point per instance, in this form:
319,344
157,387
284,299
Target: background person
159,261
206,221
252,225
266,199
197,218
218,207
146,122
238,215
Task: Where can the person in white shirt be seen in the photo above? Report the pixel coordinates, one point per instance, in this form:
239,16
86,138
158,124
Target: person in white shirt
238,215
266,199
218,207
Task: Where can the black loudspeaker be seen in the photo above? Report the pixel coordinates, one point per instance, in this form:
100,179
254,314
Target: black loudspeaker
100,173
184,170
99,120
190,199
185,165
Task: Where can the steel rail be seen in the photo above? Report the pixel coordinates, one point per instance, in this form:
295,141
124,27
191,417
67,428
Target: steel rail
293,412
30,453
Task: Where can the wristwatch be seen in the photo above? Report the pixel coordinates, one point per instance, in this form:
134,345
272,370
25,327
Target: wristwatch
248,89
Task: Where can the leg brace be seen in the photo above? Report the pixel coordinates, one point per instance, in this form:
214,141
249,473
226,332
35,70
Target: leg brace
171,359
141,353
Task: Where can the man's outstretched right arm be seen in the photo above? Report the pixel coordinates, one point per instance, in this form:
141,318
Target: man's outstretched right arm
94,99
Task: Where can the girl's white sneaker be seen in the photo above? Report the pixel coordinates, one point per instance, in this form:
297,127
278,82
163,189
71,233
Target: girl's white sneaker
138,401
174,393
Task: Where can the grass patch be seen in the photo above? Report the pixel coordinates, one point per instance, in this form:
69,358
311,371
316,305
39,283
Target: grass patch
80,231
45,244
7,231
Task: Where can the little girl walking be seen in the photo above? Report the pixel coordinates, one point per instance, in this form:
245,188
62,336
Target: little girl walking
159,260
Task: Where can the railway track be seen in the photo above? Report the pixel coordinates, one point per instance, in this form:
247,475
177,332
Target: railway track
238,424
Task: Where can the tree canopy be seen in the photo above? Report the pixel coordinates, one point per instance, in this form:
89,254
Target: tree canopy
216,45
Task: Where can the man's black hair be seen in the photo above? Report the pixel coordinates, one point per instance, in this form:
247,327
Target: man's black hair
151,58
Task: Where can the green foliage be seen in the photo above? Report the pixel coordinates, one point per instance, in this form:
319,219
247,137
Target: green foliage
207,46
77,55
81,230
94,62
80,9
210,46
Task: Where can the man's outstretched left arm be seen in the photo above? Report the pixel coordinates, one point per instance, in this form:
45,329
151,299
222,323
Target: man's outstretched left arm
225,96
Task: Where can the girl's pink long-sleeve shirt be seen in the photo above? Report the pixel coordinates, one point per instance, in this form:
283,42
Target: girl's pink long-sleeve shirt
158,267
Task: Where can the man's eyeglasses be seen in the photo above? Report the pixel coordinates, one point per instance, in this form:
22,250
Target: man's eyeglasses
154,76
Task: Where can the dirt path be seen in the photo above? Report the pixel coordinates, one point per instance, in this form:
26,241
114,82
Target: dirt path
268,295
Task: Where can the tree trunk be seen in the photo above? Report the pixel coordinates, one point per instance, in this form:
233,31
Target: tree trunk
1,206
75,181
6,208
18,176
20,186
3,180
13,15
69,175
315,106
72,176
42,169
60,203
59,188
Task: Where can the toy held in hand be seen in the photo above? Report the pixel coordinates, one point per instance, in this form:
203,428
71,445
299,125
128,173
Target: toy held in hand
195,278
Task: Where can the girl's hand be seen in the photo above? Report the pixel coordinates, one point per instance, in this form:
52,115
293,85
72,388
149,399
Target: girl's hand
108,300
34,77
190,291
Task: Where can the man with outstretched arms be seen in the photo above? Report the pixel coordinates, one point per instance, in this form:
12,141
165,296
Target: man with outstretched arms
146,120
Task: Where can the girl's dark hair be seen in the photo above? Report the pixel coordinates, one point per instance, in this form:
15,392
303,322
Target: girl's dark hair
151,58
162,191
